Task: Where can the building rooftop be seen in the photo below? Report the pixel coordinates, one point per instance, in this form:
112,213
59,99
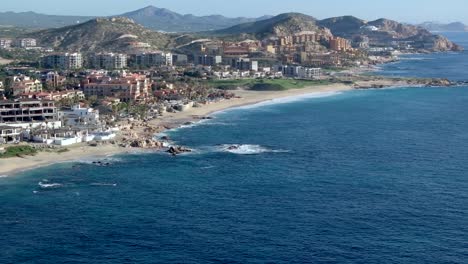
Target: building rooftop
8,127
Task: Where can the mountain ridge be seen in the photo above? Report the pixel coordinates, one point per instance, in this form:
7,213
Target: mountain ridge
382,31
107,33
440,27
159,19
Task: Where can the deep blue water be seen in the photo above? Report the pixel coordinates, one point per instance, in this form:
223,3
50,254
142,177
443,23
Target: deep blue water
376,176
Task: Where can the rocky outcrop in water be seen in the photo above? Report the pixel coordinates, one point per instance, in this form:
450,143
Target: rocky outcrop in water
178,150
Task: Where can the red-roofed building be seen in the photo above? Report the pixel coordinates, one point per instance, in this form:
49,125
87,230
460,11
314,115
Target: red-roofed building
126,88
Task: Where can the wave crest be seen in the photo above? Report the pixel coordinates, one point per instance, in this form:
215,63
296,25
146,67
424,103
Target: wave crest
49,185
247,149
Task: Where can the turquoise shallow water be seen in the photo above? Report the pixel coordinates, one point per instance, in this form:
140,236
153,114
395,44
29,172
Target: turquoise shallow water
376,176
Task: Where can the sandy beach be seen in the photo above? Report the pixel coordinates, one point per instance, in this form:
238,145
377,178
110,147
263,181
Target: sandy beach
15,165
247,97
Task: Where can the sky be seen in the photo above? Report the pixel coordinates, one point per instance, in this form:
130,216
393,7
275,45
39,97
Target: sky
410,11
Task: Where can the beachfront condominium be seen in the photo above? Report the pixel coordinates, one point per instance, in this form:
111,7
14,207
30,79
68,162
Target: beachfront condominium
27,111
300,72
65,61
109,61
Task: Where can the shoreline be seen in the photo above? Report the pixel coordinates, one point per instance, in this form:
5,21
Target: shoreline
12,166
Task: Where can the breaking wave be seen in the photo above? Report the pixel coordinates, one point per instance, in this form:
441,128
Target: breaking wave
46,185
248,149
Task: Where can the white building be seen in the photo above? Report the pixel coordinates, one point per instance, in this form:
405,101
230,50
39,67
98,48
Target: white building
309,73
242,64
370,28
78,116
208,60
154,59
299,72
110,61
10,134
67,61
25,42
5,43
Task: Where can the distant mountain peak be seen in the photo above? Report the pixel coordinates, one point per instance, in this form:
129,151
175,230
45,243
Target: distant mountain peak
169,21
152,17
152,10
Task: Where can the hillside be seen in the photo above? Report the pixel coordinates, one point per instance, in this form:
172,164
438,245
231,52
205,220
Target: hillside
34,20
166,20
384,31
13,32
343,26
284,24
451,27
101,34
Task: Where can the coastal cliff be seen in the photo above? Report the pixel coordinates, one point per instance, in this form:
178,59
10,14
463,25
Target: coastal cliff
443,44
384,31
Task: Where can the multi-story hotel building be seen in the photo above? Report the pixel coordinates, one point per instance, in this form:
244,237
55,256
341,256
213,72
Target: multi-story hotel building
339,44
127,88
109,61
67,61
153,59
25,42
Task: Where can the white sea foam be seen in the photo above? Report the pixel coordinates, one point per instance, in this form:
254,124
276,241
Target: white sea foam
3,176
191,125
208,167
104,184
49,185
248,149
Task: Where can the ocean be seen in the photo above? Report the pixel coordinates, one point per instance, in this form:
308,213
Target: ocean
369,176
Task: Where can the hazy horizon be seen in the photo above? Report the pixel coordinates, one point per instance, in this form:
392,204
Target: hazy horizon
405,11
